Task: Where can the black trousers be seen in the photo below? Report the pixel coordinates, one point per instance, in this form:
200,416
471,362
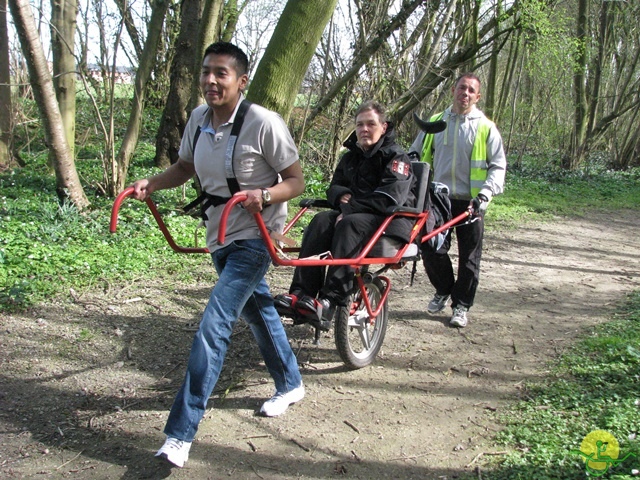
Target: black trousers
344,240
439,267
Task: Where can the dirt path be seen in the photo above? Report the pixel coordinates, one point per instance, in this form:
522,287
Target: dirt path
85,382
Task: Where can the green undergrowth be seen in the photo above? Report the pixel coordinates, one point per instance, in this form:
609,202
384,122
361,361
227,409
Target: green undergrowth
541,194
595,386
47,248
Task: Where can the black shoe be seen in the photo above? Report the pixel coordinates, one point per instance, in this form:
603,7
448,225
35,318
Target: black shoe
285,304
317,312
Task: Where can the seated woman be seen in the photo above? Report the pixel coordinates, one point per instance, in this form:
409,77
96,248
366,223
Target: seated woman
373,175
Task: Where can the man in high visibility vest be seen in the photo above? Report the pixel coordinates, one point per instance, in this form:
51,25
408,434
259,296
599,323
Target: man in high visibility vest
468,157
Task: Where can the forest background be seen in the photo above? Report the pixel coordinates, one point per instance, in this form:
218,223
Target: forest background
561,78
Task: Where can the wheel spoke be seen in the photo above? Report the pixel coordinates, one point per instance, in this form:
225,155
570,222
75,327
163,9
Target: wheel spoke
364,335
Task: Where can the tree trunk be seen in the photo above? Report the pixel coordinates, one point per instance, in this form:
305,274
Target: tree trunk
628,155
67,182
145,68
514,104
492,80
6,114
209,32
596,80
467,18
507,80
279,75
63,29
103,59
129,25
576,154
174,117
231,14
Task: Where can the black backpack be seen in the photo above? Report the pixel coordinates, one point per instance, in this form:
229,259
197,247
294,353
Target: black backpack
439,207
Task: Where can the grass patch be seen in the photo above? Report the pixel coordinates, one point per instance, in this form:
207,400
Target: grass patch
537,194
594,386
47,248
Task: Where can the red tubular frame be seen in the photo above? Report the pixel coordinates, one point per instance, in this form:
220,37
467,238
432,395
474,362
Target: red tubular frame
355,263
360,260
128,192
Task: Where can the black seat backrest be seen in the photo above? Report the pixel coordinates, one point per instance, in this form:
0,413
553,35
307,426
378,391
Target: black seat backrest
389,246
421,190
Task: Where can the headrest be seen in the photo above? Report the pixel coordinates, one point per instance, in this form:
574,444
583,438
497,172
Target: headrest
429,127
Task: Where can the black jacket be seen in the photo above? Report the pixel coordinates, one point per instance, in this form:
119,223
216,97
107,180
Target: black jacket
377,179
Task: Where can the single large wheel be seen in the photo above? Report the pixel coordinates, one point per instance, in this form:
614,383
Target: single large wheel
358,338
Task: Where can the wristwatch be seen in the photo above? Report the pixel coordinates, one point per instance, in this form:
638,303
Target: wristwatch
266,196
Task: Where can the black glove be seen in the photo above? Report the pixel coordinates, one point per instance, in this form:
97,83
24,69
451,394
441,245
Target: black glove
479,205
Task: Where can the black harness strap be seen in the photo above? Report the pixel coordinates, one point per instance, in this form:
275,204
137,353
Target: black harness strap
206,200
232,182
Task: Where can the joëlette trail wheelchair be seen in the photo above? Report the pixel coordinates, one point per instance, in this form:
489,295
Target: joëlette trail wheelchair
359,329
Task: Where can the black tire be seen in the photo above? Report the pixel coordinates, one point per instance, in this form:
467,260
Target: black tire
358,340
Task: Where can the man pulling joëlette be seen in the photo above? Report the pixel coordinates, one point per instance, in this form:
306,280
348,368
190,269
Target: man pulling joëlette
264,151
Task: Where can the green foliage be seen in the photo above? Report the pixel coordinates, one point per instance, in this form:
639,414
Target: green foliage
46,247
29,136
540,191
315,180
593,387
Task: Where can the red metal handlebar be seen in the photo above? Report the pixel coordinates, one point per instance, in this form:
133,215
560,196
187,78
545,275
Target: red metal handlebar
451,223
226,211
128,192
361,259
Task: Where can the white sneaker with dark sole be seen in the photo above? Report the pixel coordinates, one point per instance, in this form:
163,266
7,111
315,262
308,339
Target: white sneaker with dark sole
279,403
459,317
174,451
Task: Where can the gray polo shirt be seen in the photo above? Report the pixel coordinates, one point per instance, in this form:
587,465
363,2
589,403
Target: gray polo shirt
264,148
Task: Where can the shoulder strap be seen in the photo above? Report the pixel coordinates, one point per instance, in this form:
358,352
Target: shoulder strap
205,199
196,136
232,182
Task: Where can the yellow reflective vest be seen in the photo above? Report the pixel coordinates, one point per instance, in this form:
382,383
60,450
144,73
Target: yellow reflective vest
479,163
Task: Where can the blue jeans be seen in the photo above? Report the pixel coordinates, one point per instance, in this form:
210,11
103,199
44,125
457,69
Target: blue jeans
240,290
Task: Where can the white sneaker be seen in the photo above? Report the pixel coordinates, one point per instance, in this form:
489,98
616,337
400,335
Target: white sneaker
279,403
174,451
437,303
459,317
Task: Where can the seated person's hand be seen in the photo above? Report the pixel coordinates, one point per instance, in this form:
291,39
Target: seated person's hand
345,198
